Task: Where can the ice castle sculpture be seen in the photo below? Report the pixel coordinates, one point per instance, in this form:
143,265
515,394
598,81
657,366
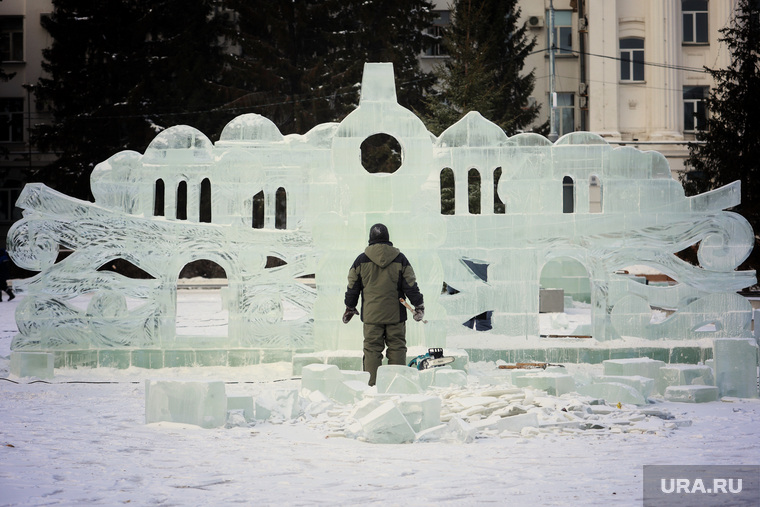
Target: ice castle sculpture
496,261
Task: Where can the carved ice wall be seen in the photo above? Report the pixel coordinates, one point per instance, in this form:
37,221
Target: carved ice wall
331,201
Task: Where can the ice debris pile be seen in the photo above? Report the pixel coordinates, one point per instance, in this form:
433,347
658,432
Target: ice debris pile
440,404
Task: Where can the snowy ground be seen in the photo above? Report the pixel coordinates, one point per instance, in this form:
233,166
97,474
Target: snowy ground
80,439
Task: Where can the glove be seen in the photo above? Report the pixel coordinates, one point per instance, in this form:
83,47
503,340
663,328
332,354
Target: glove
348,314
419,312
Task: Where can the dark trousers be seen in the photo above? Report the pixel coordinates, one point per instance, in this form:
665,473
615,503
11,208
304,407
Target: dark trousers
376,338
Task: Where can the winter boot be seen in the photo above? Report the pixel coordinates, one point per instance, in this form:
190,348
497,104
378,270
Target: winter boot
10,293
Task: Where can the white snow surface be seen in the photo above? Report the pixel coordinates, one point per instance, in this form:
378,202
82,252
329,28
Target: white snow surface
81,439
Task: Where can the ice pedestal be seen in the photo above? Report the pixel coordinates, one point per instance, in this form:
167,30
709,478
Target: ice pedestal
613,392
735,362
691,394
202,403
32,364
642,366
684,375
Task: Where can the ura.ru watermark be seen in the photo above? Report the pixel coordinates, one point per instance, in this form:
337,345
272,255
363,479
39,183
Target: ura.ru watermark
698,485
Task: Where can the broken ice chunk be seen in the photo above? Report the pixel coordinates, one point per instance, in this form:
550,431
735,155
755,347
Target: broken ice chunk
202,403
279,403
643,366
421,411
613,392
32,364
736,367
684,375
321,377
398,379
384,425
691,394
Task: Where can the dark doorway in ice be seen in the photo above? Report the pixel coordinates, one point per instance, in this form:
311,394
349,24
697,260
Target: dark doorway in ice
201,299
381,153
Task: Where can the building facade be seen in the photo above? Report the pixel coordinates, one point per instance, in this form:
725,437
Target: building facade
22,40
632,72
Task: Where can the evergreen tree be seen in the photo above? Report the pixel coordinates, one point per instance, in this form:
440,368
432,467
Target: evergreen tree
731,146
300,63
487,50
119,73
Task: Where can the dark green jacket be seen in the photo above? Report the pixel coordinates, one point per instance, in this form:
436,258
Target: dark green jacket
382,275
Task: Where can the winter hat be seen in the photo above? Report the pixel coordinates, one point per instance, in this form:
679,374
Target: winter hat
378,233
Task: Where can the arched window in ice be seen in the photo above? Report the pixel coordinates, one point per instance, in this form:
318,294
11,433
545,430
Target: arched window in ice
594,194
281,209
473,191
205,202
499,207
447,192
568,195
258,211
182,201
158,199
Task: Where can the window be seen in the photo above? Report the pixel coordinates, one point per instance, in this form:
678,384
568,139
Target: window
158,200
258,211
694,21
563,31
565,113
205,202
498,205
182,200
473,191
8,210
568,195
694,110
594,195
11,39
11,120
281,209
447,191
442,20
632,59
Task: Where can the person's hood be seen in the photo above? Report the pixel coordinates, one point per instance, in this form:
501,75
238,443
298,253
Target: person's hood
382,254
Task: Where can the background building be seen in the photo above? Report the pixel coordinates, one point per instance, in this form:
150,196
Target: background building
22,40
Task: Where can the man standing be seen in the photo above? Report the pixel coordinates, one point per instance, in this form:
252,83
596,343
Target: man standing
382,276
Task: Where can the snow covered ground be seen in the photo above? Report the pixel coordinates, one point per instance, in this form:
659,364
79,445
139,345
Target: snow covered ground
81,439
